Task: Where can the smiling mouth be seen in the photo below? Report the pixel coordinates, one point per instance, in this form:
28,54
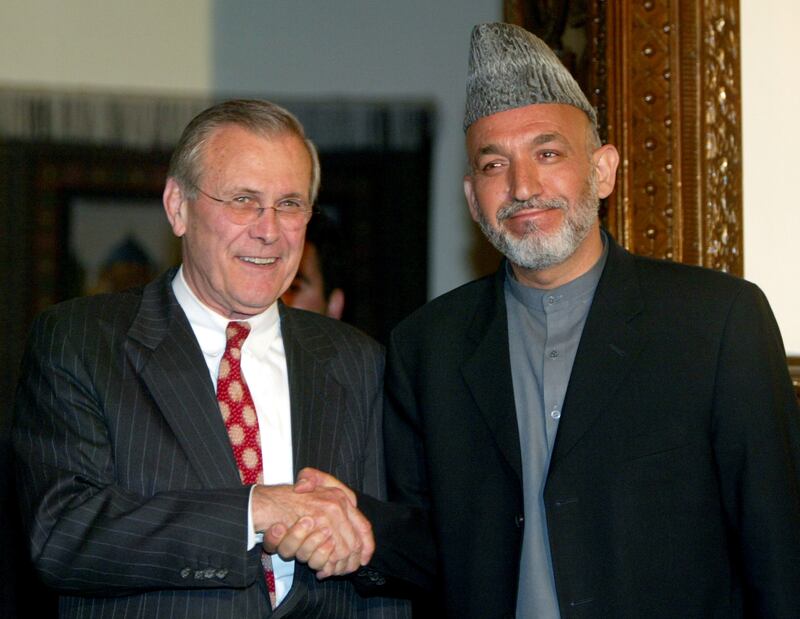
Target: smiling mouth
258,261
532,211
522,209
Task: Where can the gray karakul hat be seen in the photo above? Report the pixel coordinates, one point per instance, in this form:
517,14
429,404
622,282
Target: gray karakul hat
510,67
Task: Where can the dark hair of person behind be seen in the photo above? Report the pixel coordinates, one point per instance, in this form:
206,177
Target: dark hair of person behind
326,236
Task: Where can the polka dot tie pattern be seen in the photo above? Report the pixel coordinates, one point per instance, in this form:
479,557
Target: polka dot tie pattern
236,405
239,415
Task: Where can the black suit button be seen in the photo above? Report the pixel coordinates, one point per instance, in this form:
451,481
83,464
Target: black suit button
186,572
519,520
373,576
222,573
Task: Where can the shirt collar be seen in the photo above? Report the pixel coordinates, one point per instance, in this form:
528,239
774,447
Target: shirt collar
209,326
562,297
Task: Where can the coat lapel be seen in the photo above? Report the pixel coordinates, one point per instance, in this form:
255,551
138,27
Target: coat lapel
318,401
487,372
171,365
608,349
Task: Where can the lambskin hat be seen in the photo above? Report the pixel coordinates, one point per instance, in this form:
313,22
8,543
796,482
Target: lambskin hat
509,68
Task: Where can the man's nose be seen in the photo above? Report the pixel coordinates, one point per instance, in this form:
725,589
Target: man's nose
267,226
525,181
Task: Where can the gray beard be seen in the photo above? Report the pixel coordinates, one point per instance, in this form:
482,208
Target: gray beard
535,250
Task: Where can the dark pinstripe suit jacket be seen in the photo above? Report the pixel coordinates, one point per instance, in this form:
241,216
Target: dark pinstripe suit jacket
127,482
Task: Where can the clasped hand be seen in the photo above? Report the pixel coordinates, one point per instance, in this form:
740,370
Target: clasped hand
316,521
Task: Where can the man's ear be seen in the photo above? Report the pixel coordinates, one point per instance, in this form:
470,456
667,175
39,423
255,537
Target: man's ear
606,160
335,304
175,205
469,193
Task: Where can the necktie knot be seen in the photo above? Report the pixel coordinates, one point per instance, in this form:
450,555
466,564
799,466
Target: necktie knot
236,333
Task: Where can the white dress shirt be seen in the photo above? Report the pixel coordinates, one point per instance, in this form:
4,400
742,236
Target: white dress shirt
264,368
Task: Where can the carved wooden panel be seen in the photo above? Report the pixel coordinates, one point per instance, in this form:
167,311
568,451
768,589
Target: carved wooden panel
722,116
664,76
673,109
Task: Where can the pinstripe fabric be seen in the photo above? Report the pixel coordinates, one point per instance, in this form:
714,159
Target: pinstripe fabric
128,485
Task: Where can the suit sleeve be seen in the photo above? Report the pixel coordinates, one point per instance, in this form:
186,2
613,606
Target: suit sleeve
756,433
404,562
88,534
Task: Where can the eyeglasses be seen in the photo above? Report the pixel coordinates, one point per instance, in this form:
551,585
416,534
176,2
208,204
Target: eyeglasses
291,212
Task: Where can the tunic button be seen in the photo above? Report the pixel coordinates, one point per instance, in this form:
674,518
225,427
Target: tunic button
553,354
556,414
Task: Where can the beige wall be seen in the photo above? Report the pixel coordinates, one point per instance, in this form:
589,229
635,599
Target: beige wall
107,44
771,139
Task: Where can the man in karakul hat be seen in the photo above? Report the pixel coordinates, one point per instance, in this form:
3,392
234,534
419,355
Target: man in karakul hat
585,433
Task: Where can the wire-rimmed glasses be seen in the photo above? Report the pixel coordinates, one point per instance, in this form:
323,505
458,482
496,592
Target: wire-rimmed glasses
291,212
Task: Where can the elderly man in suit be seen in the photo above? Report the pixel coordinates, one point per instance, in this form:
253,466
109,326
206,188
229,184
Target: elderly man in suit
585,433
158,430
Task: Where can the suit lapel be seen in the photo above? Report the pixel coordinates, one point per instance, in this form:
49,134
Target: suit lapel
318,401
172,367
608,349
487,372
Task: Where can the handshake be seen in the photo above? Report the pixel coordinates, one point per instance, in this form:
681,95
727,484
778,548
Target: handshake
316,522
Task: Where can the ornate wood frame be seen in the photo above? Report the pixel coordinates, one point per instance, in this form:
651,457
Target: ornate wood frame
674,109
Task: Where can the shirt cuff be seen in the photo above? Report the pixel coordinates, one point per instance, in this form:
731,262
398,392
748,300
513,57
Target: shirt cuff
253,538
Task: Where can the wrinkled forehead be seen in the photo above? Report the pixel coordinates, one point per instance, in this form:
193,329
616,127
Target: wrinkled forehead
230,147
230,138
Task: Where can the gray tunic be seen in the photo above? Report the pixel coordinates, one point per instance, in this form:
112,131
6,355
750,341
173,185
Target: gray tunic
544,328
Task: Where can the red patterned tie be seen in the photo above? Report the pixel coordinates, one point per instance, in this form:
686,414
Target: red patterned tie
239,414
